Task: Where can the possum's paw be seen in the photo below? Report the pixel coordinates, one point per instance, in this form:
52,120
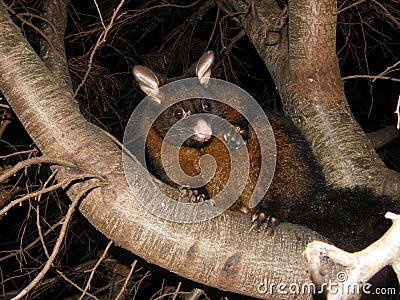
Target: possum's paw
259,217
187,194
209,202
236,137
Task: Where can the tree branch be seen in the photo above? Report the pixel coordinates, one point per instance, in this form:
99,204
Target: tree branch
360,266
53,53
306,72
31,161
383,136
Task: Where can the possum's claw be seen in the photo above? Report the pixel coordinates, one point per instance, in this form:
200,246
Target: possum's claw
259,217
209,202
187,194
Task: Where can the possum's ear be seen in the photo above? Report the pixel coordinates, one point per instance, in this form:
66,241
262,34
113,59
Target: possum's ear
203,68
147,81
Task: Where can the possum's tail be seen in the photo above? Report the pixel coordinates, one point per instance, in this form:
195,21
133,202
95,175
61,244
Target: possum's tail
351,218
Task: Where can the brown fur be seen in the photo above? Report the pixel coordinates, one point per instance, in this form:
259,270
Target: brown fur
297,192
297,175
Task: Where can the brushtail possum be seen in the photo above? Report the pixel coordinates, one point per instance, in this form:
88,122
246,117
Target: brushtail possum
297,193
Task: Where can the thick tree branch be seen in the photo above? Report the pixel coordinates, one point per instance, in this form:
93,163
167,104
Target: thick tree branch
306,72
54,56
360,266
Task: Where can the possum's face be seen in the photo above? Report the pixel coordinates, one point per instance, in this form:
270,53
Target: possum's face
188,123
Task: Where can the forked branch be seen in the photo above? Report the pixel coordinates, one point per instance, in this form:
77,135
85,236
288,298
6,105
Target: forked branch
359,266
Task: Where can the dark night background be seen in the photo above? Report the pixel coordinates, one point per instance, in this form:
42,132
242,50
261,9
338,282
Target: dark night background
168,38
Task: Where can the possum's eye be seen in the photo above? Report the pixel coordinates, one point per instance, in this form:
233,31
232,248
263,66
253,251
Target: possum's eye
206,106
178,113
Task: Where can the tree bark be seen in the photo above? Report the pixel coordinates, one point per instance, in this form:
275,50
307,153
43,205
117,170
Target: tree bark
383,136
53,55
305,69
219,252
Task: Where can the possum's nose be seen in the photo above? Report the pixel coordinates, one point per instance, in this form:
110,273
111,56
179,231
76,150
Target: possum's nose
202,131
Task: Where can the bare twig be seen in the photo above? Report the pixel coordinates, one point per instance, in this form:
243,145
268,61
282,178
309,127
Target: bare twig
57,246
38,214
75,285
102,39
388,14
373,77
62,184
35,160
227,50
341,10
177,291
126,280
101,17
138,283
195,294
20,17
32,244
103,256
388,69
32,151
